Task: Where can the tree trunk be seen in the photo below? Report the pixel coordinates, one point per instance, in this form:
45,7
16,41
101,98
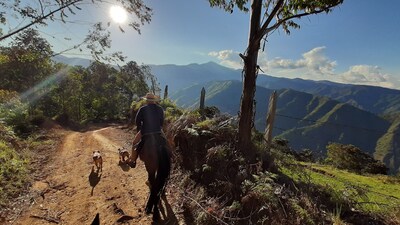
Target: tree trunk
249,83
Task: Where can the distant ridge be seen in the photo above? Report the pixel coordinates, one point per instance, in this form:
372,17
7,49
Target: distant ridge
377,100
72,61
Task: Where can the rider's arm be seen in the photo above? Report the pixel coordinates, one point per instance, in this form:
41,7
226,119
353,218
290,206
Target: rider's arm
161,117
139,119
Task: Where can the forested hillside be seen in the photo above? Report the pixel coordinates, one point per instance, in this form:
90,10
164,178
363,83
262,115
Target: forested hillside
306,120
66,93
388,147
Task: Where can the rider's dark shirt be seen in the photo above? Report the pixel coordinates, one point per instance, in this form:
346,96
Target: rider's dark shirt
149,119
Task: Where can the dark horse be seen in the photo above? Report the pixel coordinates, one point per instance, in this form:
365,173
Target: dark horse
156,157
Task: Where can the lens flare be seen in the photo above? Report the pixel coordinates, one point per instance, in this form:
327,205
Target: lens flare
118,14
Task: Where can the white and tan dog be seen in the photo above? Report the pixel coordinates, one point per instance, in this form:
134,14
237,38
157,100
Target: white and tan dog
123,153
98,160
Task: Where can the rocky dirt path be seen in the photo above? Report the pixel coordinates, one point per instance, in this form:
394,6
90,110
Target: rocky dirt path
73,192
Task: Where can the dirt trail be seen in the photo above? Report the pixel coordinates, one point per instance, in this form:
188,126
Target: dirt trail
73,193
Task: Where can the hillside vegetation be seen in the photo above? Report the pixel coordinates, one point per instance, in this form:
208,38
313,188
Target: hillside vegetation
217,186
307,121
388,147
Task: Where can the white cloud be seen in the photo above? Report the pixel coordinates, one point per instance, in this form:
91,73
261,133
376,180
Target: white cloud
314,64
368,75
315,61
228,58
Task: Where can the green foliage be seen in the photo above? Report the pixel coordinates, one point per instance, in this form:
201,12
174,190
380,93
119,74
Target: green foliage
172,111
205,124
353,159
301,213
208,112
13,172
15,113
69,94
283,11
27,63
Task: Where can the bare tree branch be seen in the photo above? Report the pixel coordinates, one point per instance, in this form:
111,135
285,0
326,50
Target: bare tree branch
39,19
277,24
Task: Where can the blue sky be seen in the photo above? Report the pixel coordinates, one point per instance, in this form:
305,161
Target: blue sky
357,43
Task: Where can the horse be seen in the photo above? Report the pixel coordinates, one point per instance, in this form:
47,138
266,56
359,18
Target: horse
156,157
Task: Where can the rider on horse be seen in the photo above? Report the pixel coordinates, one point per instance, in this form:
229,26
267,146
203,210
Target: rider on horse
149,120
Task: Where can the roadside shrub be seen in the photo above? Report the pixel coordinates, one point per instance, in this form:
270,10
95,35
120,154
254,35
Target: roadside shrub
353,159
14,113
13,172
209,112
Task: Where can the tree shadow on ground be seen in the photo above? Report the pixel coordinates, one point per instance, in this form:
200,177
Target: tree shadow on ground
94,179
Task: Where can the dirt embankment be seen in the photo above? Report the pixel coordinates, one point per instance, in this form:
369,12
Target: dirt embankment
72,192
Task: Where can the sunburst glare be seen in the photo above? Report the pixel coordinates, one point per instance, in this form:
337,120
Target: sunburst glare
118,14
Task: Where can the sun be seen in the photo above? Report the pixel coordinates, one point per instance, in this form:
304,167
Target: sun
118,14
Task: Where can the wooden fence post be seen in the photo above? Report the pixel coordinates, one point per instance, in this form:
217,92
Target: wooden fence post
202,99
166,92
270,118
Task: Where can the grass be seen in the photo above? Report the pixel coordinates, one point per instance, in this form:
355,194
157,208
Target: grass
377,194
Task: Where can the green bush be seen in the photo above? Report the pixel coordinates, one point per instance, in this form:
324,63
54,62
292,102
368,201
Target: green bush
351,158
13,172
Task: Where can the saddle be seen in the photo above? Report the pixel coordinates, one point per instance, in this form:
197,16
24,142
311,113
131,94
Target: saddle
160,139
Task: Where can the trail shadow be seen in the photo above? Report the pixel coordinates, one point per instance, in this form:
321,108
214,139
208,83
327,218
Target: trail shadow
167,215
124,166
94,179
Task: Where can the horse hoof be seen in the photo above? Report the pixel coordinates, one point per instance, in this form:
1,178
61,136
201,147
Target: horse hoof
156,217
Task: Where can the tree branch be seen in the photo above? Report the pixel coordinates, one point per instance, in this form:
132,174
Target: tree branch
261,33
39,19
41,7
277,24
68,49
265,29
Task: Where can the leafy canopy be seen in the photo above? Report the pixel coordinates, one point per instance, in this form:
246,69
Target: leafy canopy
279,12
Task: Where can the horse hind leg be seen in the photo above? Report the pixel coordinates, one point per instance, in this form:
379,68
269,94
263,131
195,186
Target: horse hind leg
156,213
153,195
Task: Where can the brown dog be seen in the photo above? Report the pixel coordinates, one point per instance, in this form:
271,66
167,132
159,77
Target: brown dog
123,153
98,160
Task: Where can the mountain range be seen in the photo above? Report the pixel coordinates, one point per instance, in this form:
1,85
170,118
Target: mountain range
306,120
377,100
310,114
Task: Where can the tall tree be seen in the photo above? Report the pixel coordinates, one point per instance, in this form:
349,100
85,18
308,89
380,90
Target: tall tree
277,14
25,65
37,13
25,62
